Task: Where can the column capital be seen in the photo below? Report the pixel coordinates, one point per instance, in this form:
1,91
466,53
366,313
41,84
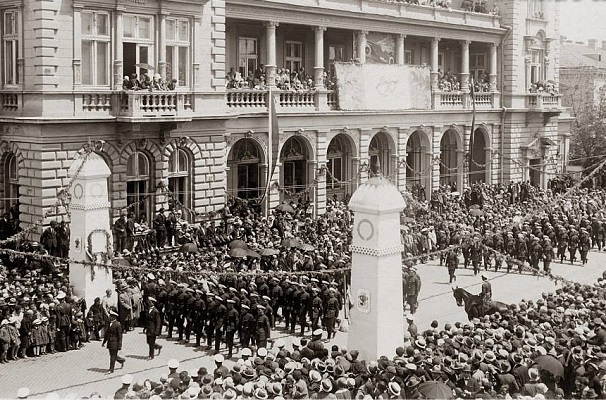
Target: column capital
271,24
402,35
436,39
318,28
362,33
164,13
466,42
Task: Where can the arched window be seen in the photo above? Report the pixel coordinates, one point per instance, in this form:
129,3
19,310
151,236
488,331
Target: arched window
413,159
138,185
336,159
11,183
179,180
449,167
379,154
294,164
245,169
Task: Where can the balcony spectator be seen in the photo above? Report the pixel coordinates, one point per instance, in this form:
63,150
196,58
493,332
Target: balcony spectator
158,83
480,7
172,85
146,82
132,84
495,10
467,5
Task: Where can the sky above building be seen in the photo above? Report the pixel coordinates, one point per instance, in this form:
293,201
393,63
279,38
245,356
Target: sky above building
583,19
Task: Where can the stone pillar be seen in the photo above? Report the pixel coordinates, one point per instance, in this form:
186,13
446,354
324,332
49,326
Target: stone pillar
77,61
362,46
320,173
376,275
118,67
493,67
162,45
270,67
319,62
91,234
434,62
400,54
465,66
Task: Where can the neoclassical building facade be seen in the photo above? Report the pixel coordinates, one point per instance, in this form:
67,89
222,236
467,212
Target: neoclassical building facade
64,62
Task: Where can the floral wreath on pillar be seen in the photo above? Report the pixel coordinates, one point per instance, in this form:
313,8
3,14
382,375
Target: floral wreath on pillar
105,255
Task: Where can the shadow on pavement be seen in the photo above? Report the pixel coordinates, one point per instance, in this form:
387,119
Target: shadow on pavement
100,370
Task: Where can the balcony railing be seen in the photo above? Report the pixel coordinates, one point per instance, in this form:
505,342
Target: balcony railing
287,101
155,104
10,102
462,100
542,101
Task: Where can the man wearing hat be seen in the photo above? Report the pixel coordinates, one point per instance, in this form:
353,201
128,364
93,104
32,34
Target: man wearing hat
113,338
127,380
486,293
263,327
231,326
153,328
64,322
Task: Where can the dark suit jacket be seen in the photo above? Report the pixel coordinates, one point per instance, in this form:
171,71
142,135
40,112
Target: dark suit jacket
154,322
113,336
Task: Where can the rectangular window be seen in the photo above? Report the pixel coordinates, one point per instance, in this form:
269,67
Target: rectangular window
477,66
138,47
95,48
177,50
10,43
293,59
408,57
247,56
536,66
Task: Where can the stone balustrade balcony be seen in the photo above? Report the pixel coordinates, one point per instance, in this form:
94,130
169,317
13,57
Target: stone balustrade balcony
542,101
251,100
462,100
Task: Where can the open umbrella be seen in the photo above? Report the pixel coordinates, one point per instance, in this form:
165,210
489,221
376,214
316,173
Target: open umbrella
435,390
145,66
121,262
551,364
189,248
284,207
269,252
253,254
237,244
474,206
306,247
238,252
290,242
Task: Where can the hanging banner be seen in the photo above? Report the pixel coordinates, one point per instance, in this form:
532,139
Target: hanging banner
380,87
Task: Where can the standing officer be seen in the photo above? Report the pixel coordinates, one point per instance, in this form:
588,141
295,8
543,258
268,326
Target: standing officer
452,262
64,322
331,312
153,328
413,287
584,245
573,242
317,309
220,312
113,338
247,326
160,227
547,254
199,316
486,293
304,303
562,243
231,323
263,329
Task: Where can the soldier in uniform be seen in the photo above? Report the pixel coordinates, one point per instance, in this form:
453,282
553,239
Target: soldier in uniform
113,339
331,312
452,261
211,317
287,302
304,303
573,242
317,309
199,316
231,323
262,328
510,250
562,244
153,328
247,326
536,254
584,245
486,293
476,254
521,252
547,255
160,228
294,311
413,287
220,312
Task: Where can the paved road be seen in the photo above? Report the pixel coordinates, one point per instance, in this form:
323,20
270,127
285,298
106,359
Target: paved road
84,371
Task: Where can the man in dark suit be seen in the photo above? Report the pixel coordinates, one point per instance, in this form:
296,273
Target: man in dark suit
113,338
64,322
153,328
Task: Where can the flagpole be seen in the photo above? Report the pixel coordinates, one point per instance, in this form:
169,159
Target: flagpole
270,149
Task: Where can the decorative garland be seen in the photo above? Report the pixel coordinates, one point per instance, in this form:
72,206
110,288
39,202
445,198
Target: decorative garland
105,255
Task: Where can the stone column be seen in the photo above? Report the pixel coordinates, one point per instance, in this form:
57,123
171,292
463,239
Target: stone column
465,66
91,237
320,171
493,67
400,53
362,46
77,61
270,67
162,45
434,62
376,275
319,47
118,67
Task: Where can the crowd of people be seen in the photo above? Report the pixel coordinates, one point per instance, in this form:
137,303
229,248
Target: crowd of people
149,82
211,297
479,6
285,79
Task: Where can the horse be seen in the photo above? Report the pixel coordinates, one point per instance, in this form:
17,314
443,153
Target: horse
474,305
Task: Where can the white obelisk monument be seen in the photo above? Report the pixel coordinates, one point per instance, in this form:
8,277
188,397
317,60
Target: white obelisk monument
91,236
377,317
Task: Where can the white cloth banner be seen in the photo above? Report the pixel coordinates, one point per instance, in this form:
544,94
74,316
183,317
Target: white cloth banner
379,87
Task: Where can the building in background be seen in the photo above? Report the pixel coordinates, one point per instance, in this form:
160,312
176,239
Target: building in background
64,63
